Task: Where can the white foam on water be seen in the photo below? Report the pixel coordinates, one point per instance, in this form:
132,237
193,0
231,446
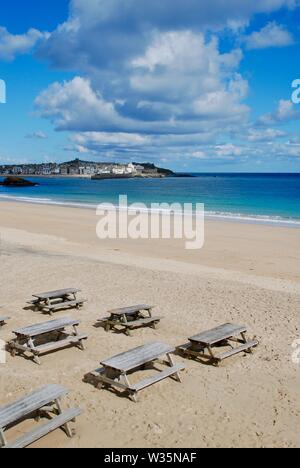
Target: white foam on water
228,216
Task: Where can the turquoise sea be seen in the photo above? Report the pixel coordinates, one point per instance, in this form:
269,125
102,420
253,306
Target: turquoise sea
268,198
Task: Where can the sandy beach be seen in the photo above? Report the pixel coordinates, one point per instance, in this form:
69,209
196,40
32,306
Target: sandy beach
246,274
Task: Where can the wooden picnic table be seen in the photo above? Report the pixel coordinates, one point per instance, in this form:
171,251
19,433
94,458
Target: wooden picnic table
43,402
54,300
46,337
116,371
129,318
223,335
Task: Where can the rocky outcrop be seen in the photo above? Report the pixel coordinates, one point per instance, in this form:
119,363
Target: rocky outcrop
17,182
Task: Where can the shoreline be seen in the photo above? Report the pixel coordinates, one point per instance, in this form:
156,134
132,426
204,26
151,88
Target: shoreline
229,217
227,243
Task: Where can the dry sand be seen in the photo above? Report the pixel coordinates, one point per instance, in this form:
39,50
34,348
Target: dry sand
248,274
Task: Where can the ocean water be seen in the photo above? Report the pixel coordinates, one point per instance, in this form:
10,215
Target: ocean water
267,198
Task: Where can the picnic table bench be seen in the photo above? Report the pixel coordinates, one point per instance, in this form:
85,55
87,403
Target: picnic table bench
51,301
130,318
46,337
116,371
224,335
43,402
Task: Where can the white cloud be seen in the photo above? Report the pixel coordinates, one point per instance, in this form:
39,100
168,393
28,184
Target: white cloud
272,35
228,150
285,112
39,135
268,134
118,139
199,155
284,150
148,99
151,81
73,105
13,45
109,33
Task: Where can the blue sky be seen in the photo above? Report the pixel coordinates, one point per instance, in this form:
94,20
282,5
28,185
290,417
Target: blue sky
198,86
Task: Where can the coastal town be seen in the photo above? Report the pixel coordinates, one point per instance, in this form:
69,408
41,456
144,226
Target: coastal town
80,168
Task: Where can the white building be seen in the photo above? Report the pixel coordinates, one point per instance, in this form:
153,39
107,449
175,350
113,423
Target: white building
119,170
104,170
46,170
17,170
130,169
56,171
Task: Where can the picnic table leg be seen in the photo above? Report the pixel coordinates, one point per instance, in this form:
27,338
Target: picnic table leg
127,330
133,395
81,341
245,340
101,383
3,441
213,357
49,305
31,348
108,374
75,299
65,426
172,364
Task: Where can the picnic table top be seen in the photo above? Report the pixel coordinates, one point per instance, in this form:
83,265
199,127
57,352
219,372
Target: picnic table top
130,310
218,334
56,294
135,358
36,400
46,327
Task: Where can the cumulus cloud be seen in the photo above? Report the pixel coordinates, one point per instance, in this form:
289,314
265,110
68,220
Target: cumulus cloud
207,89
151,77
285,112
106,32
12,45
272,35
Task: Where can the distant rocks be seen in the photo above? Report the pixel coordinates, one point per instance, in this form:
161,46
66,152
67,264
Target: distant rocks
13,182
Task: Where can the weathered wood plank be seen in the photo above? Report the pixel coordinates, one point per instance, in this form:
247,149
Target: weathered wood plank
72,340
140,322
135,358
131,310
62,305
46,327
45,429
25,406
239,349
169,372
218,334
56,294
